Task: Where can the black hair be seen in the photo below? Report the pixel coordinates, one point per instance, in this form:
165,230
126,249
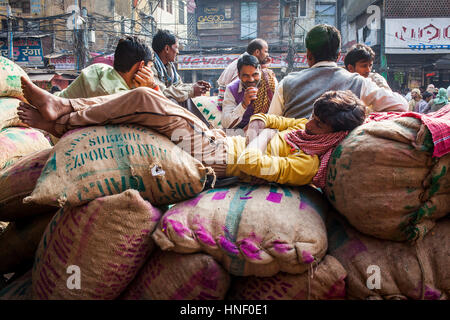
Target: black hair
427,94
255,44
247,60
161,39
324,42
342,110
129,51
359,52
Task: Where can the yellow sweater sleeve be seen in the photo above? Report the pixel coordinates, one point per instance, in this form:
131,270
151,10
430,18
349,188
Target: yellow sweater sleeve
297,169
279,122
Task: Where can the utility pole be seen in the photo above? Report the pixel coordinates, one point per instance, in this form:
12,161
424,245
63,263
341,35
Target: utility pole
291,50
10,33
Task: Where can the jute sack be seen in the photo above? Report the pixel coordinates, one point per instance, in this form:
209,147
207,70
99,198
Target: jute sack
20,240
404,270
210,109
17,182
98,247
97,161
383,179
10,74
250,230
323,282
16,143
174,276
19,289
8,113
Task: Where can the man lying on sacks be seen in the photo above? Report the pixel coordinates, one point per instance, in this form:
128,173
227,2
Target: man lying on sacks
289,151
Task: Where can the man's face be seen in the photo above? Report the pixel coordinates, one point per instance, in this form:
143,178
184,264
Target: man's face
413,94
172,52
250,76
315,126
262,54
363,67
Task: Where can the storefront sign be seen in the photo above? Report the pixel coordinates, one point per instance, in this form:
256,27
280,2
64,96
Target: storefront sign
64,63
26,51
418,36
194,62
219,16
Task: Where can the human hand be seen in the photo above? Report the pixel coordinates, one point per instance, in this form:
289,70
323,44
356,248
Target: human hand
250,95
263,139
144,78
200,87
253,130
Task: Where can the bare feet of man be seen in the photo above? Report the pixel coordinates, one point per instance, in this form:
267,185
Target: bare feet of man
49,106
32,117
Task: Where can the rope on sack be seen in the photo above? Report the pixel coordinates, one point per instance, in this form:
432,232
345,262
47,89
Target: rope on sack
311,272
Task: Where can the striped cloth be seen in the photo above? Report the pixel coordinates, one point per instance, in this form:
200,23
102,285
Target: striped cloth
321,145
438,123
162,72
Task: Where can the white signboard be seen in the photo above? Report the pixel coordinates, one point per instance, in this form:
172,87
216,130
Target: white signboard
418,36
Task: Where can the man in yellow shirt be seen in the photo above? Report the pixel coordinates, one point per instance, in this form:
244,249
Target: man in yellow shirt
295,153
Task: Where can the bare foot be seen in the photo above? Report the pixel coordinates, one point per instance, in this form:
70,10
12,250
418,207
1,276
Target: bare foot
32,117
51,107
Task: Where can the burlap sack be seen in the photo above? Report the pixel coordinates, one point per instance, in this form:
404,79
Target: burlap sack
108,239
174,276
250,230
16,143
96,161
407,271
210,109
323,282
383,179
20,240
8,113
17,182
19,289
10,74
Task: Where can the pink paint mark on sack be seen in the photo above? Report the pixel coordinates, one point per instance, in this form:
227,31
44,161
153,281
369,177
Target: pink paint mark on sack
274,197
281,247
303,205
228,246
193,202
178,227
337,290
431,294
250,249
307,257
204,236
353,248
220,195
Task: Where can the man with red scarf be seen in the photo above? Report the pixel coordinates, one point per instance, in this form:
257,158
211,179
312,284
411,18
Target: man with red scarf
289,151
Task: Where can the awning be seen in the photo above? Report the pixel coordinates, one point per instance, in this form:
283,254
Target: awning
41,77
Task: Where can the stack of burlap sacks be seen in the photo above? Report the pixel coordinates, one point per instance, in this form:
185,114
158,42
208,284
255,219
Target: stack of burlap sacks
16,142
114,238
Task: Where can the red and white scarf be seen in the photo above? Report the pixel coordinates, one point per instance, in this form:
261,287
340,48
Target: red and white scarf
321,145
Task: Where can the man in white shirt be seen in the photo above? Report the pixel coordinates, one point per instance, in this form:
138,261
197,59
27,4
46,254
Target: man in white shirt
258,48
296,93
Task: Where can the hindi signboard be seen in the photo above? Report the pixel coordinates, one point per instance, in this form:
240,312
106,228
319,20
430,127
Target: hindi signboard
26,51
418,36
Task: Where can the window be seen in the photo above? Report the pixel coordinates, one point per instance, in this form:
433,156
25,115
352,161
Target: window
161,4
169,6
249,20
181,12
326,13
299,9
